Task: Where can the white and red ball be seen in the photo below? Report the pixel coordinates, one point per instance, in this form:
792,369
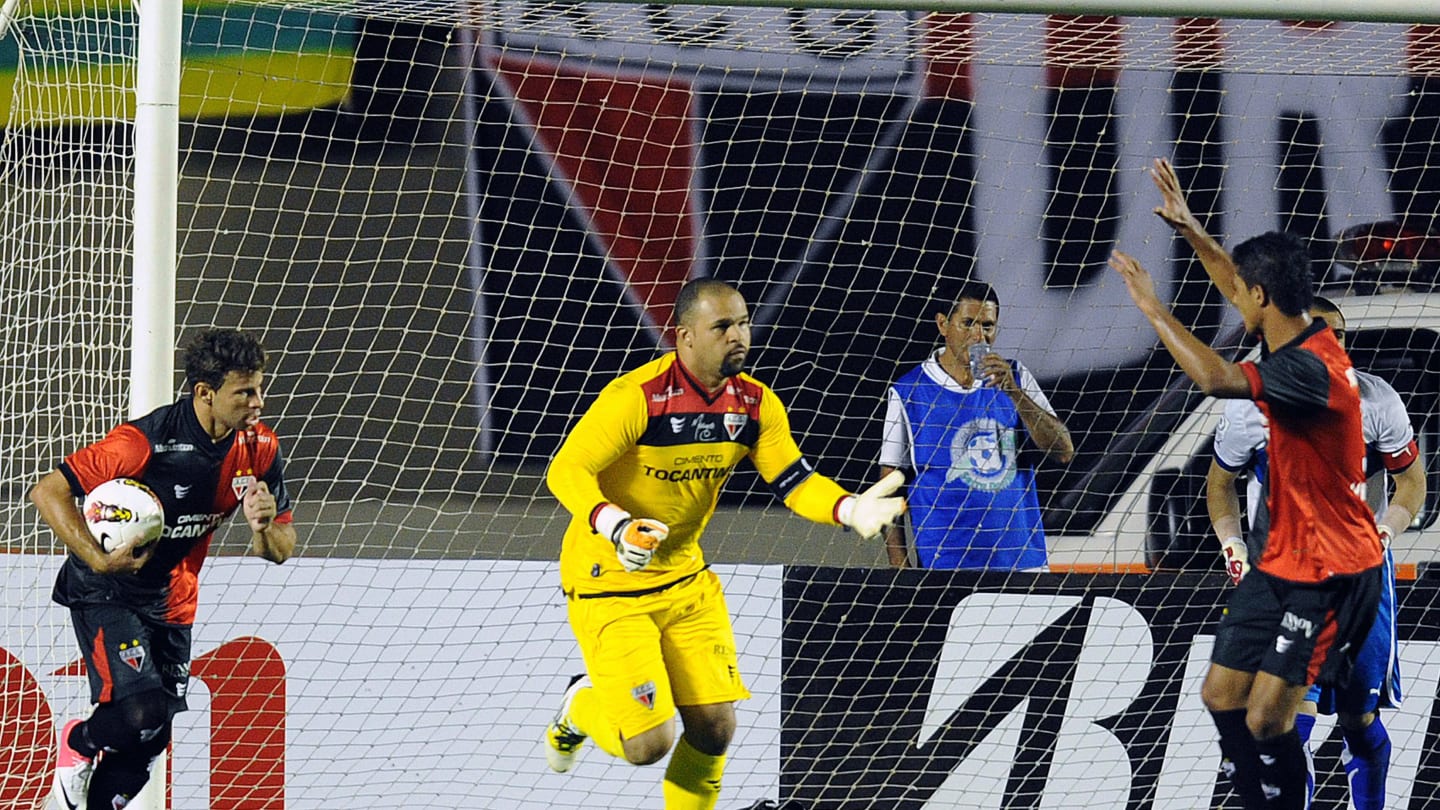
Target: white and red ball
123,514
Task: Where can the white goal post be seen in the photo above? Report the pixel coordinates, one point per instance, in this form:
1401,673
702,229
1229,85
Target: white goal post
157,169
452,222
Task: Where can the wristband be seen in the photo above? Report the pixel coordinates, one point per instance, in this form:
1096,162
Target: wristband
607,519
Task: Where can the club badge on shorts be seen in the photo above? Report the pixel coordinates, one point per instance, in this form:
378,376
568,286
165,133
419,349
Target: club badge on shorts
644,694
132,654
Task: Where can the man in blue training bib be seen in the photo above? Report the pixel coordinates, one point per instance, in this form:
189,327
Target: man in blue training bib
956,425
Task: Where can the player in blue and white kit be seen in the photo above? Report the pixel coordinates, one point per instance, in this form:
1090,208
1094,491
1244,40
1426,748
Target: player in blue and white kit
972,501
1240,445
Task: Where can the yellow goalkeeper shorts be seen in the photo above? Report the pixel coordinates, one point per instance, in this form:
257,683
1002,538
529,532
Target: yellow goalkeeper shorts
647,654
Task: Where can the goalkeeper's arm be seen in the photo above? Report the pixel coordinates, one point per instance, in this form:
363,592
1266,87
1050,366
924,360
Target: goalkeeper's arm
811,495
815,497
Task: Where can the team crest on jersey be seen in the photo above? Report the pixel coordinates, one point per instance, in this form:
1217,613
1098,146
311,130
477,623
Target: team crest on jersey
132,654
241,484
734,423
644,694
982,455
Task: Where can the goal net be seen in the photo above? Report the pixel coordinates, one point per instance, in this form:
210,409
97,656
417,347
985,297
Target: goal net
451,224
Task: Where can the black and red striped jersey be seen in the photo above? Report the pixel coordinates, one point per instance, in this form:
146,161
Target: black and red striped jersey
200,482
1320,525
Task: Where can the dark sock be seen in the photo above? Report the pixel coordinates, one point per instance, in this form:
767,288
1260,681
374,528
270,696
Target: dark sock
1284,771
80,742
123,725
1241,762
117,776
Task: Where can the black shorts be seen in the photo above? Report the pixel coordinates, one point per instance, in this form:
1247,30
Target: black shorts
1300,632
127,654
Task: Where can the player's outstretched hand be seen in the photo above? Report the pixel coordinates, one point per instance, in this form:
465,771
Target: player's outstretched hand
1137,280
1173,208
636,540
872,510
1237,558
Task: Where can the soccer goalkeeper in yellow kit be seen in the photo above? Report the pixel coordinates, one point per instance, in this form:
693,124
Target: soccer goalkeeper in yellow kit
640,474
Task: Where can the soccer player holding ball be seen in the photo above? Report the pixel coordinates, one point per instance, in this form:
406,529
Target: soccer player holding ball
640,474
204,456
123,513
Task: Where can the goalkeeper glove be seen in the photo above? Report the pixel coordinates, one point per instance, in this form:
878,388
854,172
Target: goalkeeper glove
635,539
872,510
1386,534
1237,558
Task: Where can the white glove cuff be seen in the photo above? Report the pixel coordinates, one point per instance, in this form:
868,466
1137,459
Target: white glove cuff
608,518
845,510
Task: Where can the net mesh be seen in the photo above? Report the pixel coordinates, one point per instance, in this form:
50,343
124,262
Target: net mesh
452,224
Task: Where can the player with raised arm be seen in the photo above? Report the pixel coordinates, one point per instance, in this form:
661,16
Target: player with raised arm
204,456
640,473
1391,451
1307,604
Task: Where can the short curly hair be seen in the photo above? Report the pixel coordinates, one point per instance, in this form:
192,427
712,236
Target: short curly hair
214,353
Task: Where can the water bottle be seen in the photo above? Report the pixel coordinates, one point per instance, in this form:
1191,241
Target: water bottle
977,356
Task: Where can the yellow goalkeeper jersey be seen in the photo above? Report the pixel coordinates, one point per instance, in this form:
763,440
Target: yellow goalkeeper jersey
659,445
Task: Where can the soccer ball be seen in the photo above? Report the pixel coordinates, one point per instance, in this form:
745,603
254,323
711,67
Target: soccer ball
122,514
